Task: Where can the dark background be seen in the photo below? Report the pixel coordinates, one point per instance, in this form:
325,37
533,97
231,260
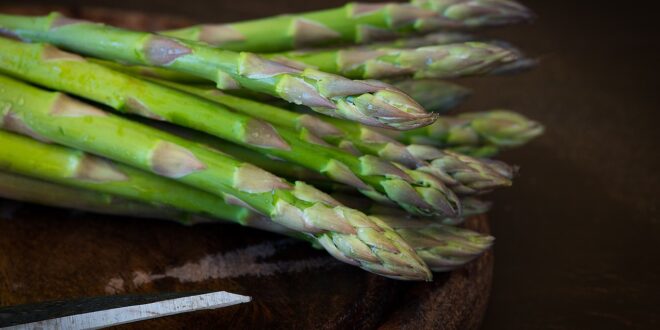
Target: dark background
577,234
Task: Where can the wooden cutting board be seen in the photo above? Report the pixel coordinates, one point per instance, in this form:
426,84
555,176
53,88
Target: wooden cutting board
48,254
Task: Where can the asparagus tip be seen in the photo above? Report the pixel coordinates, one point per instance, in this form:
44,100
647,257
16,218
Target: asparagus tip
483,12
506,128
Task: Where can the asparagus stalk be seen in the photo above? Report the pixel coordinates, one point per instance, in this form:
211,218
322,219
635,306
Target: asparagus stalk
522,62
274,165
45,65
480,134
326,93
74,168
440,61
432,94
440,249
345,233
369,57
353,23
464,174
478,13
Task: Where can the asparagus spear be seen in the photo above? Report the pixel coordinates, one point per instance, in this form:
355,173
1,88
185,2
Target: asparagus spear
326,93
476,13
521,63
274,165
77,169
376,178
346,233
480,134
464,174
353,23
443,61
432,94
442,38
383,58
439,248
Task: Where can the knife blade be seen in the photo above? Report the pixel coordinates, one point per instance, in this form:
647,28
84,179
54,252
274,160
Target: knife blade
100,312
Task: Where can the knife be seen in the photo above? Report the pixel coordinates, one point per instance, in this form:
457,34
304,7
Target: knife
106,311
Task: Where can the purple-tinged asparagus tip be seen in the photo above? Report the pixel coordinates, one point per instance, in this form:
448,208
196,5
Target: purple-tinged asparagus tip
474,13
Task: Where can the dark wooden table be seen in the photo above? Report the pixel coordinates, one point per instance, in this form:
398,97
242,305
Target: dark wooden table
577,234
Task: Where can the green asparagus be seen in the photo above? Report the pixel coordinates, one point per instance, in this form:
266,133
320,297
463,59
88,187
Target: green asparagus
443,61
479,134
521,63
205,134
476,13
326,93
274,165
463,174
346,233
353,23
48,66
74,168
432,94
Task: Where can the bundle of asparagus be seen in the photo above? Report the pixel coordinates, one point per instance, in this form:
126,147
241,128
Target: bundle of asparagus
284,142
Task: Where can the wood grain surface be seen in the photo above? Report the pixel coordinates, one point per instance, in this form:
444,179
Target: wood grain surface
52,254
